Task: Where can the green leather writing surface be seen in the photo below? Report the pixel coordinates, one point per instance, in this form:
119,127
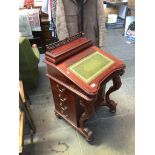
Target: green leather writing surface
91,66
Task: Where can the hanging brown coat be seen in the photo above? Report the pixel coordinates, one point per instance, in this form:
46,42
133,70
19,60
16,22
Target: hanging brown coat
67,19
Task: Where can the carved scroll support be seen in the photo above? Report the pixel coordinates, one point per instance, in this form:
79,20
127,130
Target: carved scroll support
116,85
89,110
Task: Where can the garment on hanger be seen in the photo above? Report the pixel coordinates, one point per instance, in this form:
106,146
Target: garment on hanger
69,21
44,7
53,22
49,7
52,17
54,11
24,24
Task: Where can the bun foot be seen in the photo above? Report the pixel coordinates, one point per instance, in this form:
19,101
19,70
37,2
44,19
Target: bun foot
116,85
57,115
112,105
88,133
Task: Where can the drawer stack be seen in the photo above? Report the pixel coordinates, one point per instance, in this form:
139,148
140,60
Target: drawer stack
65,102
61,103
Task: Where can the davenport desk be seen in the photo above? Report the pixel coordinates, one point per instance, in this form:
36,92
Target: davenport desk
78,73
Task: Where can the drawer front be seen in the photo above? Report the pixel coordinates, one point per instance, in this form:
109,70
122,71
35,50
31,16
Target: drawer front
62,111
65,101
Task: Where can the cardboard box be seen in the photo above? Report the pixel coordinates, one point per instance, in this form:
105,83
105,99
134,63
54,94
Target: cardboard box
119,24
108,11
131,3
112,18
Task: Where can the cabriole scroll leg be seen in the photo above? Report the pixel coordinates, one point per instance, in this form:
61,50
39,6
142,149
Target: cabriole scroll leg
116,85
89,111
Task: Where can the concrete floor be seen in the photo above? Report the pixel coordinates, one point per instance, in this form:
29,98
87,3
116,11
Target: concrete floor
114,134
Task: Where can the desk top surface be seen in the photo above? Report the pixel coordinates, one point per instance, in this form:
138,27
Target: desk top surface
91,66
88,67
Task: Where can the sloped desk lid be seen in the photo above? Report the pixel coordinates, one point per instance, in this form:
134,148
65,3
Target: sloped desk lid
89,68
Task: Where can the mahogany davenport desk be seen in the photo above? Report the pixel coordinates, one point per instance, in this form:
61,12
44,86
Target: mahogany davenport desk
78,72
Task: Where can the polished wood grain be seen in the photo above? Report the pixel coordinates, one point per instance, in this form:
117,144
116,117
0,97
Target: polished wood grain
21,132
75,100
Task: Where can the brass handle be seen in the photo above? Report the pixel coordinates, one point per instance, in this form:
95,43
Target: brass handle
62,111
64,108
61,103
66,116
63,99
62,90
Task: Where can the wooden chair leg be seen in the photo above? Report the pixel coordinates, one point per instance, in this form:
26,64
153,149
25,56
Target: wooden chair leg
21,133
28,116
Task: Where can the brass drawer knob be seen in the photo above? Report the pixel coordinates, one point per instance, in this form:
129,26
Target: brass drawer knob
62,90
66,116
64,108
63,99
62,111
61,104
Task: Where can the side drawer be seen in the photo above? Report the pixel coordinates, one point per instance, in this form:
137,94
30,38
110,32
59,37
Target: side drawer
65,101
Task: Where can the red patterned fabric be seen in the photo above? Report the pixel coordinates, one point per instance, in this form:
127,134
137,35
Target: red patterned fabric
28,3
33,15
